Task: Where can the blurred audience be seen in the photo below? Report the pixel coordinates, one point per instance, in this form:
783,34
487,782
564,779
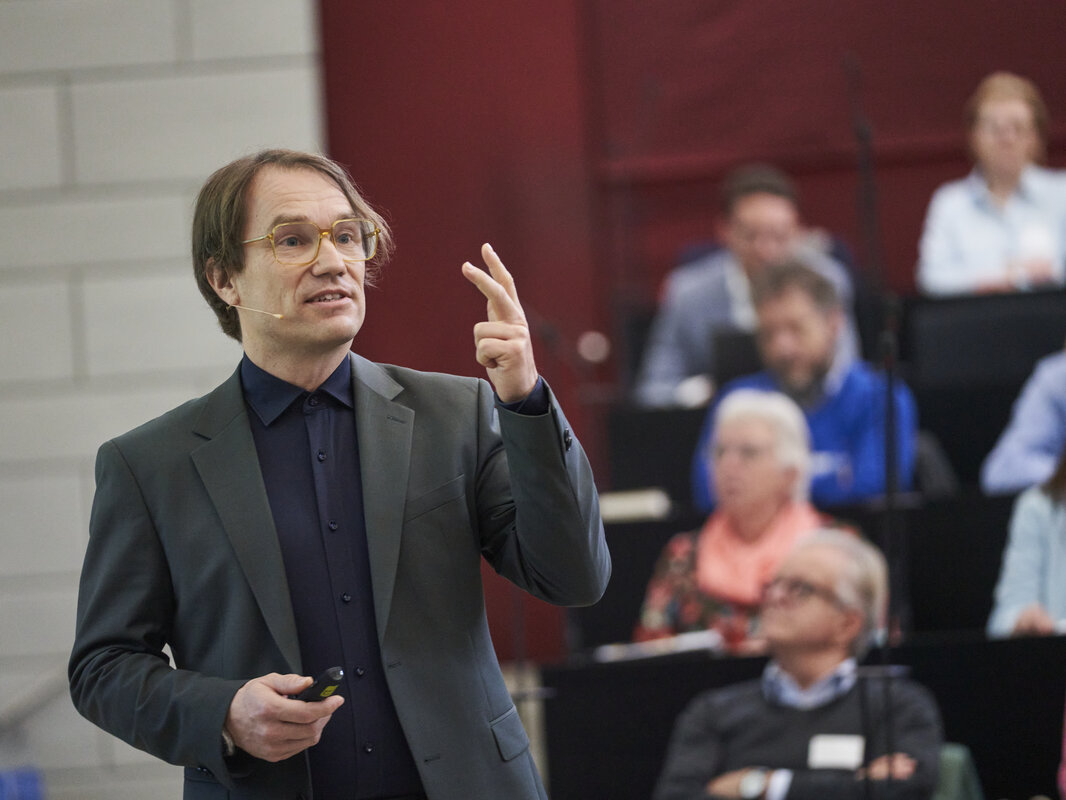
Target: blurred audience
1035,436
800,320
1003,227
713,578
811,727
758,225
1031,592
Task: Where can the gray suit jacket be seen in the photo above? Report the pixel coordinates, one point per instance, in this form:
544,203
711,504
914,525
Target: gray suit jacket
183,553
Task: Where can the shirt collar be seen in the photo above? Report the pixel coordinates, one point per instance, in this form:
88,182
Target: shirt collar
738,286
838,370
978,187
781,688
269,395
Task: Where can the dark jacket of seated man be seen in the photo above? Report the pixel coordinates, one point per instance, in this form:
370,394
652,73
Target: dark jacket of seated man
811,727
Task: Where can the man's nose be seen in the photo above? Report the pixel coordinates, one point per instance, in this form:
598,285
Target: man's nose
329,258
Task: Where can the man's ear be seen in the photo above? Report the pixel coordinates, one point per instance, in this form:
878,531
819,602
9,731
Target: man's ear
837,320
851,623
221,282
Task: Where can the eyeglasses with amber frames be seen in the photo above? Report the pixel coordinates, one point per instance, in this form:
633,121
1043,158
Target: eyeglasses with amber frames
296,244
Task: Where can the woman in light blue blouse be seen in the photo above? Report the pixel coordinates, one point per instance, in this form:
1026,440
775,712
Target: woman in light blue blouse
1003,227
1031,592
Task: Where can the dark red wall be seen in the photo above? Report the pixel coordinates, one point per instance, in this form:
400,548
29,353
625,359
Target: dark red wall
466,123
585,138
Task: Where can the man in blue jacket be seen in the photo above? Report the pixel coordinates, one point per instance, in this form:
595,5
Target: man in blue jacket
800,319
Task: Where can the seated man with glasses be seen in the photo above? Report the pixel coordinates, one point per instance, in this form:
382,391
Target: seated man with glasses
319,511
812,727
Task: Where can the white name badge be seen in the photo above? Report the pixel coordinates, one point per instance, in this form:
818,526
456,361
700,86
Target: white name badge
835,751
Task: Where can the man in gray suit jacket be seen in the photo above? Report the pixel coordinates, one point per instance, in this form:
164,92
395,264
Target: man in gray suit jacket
319,510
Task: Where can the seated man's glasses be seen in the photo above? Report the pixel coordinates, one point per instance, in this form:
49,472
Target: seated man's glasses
296,244
795,590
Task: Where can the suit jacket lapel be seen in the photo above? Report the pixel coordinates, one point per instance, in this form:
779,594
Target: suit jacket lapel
385,429
229,467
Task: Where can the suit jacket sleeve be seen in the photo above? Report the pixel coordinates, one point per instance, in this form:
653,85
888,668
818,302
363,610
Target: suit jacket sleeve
538,509
118,662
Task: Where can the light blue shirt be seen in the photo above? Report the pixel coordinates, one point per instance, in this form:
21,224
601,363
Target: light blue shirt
1034,562
969,239
1035,437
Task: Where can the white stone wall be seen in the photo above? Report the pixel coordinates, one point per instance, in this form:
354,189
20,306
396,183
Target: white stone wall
112,113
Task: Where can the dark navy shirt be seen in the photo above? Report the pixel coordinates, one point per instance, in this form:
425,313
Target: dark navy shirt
309,456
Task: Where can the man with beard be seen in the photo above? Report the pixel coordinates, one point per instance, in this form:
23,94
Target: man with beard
800,319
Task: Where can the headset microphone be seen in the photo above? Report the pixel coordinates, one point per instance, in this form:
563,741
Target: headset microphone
260,311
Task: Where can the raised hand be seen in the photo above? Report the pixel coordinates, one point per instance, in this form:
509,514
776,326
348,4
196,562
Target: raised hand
503,344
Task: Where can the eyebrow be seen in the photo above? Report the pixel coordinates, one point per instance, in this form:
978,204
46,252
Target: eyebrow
282,219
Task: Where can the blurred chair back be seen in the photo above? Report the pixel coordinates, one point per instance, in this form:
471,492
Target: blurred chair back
958,775
966,360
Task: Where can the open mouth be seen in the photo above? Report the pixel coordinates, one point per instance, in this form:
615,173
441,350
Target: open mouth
328,297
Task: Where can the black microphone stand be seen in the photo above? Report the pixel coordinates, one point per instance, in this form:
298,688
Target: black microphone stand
868,218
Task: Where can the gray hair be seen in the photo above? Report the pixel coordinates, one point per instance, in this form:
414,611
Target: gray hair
792,437
864,584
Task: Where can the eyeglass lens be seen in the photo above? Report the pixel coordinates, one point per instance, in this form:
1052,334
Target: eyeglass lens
298,242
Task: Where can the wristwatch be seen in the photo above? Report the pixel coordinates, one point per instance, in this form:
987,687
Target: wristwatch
753,784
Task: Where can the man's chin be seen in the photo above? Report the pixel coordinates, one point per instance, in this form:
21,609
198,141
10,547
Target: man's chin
796,386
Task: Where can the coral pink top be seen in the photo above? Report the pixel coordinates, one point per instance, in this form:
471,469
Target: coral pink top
736,570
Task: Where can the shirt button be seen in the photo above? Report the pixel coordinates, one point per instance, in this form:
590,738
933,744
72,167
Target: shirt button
333,525
368,747
360,671
312,401
347,598
321,455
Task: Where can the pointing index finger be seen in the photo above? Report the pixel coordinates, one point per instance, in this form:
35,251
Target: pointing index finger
497,285
499,272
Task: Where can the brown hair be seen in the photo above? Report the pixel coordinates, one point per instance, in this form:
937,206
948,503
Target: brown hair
778,279
222,209
1008,86
755,179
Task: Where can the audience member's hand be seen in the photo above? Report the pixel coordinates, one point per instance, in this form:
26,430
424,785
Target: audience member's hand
752,646
994,287
1034,621
1037,271
901,765
266,723
727,784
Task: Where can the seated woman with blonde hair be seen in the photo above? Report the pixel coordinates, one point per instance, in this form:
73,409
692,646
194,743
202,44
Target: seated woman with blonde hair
1002,227
713,578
